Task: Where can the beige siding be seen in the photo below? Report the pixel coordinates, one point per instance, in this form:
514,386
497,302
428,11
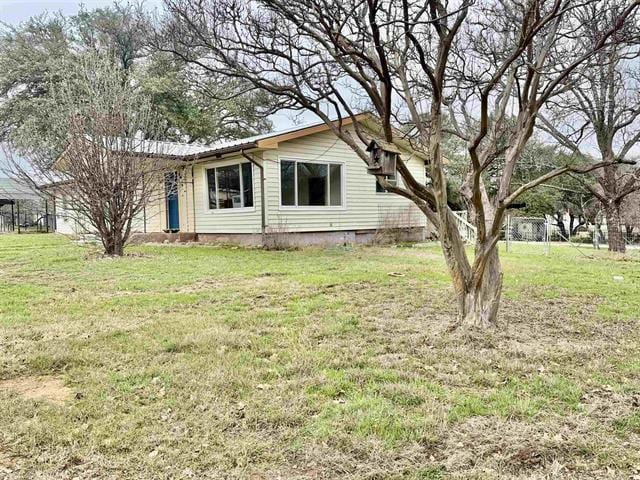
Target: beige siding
363,207
70,222
245,220
156,215
66,222
152,219
185,201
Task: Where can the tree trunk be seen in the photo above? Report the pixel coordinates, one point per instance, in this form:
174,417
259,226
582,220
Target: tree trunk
616,240
596,235
560,224
581,222
479,306
572,221
478,299
118,249
113,244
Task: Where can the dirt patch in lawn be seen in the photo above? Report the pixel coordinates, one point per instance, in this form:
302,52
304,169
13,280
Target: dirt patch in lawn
51,389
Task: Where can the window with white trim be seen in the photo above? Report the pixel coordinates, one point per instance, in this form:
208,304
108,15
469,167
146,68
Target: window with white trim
310,184
230,186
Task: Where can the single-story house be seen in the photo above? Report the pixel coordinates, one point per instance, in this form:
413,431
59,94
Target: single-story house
303,183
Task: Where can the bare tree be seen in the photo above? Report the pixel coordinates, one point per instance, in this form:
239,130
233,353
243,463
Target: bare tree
111,168
420,65
630,214
601,111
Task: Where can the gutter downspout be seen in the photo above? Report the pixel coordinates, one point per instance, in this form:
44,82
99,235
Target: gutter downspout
144,209
193,201
262,193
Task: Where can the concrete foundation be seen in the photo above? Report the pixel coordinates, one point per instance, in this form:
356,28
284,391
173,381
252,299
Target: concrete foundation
162,237
289,239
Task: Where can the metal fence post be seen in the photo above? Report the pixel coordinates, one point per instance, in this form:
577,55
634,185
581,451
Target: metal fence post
508,232
547,244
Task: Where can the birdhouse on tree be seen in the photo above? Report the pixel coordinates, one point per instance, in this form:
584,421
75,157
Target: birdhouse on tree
382,158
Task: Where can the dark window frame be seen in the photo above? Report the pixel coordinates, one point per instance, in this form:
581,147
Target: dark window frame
243,167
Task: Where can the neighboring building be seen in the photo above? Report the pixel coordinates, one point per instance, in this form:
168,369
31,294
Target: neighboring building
314,188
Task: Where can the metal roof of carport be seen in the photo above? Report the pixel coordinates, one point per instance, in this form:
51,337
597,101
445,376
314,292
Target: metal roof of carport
13,190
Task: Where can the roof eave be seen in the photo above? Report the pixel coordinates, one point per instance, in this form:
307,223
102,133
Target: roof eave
219,152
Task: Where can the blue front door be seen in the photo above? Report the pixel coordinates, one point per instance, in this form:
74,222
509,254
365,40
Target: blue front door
173,208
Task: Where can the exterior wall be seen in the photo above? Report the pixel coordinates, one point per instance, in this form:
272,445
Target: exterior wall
66,223
241,220
363,208
362,212
152,219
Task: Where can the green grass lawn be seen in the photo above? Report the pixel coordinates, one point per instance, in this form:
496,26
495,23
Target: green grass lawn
211,362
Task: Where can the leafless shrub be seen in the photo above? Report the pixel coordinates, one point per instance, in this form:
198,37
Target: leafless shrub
396,225
277,236
110,168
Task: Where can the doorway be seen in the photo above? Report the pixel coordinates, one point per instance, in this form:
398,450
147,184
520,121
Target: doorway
173,206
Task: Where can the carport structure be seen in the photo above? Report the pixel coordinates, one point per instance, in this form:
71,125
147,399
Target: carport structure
17,210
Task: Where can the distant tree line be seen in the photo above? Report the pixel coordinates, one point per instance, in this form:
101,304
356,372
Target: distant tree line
36,57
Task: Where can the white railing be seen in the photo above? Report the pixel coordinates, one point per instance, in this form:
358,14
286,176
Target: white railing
468,231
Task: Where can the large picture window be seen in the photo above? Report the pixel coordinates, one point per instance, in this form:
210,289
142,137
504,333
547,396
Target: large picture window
314,184
230,186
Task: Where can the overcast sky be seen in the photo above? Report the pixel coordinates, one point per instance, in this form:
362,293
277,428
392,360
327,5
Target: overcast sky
16,11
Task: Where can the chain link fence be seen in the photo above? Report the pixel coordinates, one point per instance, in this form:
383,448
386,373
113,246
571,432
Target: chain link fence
545,232
527,230
597,236
590,234
27,216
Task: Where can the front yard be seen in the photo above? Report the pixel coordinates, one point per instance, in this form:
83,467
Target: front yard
211,362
